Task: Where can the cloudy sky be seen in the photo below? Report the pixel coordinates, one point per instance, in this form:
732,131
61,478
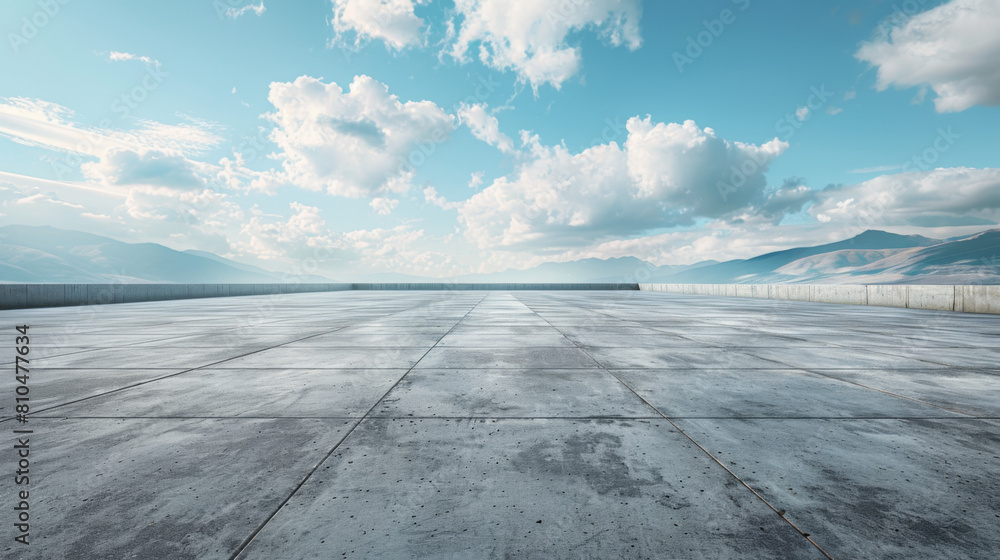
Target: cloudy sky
443,137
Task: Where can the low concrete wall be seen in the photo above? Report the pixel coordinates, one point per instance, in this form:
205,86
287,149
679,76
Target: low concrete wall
494,286
24,296
968,299
977,299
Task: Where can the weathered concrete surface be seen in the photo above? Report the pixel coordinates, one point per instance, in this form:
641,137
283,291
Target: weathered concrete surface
977,299
449,424
941,298
887,296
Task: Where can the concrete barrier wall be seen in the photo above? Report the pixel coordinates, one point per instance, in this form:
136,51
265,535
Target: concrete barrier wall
24,296
494,286
968,299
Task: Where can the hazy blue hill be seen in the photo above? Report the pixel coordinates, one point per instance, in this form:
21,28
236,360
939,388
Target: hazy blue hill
970,260
755,269
257,270
47,254
23,264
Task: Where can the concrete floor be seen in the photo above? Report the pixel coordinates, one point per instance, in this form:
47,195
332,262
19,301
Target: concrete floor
507,425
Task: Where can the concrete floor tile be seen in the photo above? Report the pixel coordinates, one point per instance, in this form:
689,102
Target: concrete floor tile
511,393
276,393
146,357
617,358
313,358
765,393
892,489
605,340
485,358
177,489
547,489
370,340
970,391
837,358
552,339
952,357
50,387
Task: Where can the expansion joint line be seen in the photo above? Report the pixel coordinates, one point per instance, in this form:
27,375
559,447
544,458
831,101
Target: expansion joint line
247,541
890,393
780,513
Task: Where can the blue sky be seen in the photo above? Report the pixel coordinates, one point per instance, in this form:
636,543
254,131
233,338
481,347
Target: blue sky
445,137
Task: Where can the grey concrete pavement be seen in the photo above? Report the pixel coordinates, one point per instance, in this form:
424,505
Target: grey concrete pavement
506,425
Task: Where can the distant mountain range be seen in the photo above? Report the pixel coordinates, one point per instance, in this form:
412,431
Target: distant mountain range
873,257
45,254
50,255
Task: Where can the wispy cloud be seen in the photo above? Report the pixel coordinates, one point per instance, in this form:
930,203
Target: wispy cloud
876,169
35,122
42,198
118,56
256,9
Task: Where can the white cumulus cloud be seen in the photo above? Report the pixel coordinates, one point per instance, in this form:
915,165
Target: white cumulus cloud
303,235
533,38
356,143
431,196
946,197
485,126
953,48
664,175
392,21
